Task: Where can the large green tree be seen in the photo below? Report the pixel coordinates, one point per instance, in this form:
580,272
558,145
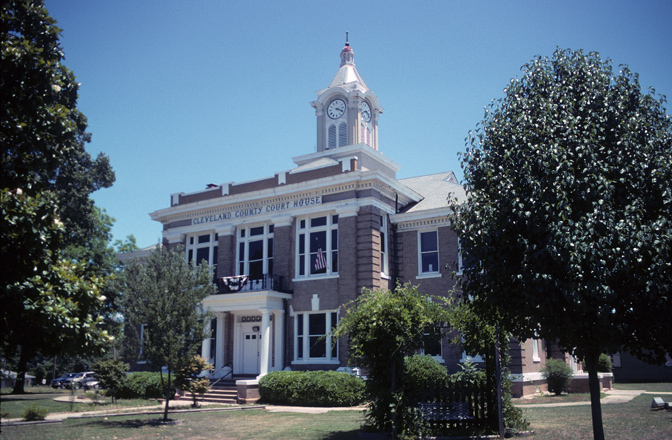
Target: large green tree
567,233
383,327
45,169
162,295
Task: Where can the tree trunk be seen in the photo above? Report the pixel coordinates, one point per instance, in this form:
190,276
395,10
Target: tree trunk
20,382
165,410
595,390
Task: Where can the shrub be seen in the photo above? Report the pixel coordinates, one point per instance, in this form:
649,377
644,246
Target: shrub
311,388
422,372
558,375
111,375
604,364
142,385
34,412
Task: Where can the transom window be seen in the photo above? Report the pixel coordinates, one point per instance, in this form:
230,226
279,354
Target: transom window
317,246
312,337
428,252
255,251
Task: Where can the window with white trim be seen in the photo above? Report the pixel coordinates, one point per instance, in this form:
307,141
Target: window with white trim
459,257
141,353
535,350
428,252
384,269
203,247
317,246
340,140
312,337
255,251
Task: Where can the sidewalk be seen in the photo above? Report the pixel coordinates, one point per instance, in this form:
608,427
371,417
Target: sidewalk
613,396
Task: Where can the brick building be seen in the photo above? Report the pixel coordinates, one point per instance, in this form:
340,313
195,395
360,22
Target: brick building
291,249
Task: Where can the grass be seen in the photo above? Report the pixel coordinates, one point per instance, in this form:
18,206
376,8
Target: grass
225,425
622,421
651,387
13,406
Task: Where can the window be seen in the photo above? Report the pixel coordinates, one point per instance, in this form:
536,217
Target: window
312,337
255,251
429,252
141,353
383,245
317,246
203,247
341,140
431,343
459,257
535,350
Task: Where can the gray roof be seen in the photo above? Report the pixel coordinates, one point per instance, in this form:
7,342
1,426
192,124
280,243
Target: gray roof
435,189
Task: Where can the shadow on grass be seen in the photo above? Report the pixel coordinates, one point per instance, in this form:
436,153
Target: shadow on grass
119,424
344,435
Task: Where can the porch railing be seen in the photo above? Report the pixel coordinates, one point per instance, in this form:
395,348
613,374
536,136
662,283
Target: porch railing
246,283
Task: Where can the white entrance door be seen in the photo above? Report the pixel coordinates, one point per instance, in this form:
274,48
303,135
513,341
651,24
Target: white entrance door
251,358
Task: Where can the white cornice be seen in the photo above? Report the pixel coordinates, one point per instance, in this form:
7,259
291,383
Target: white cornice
422,219
358,180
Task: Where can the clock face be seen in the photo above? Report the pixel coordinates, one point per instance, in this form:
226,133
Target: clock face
336,109
366,112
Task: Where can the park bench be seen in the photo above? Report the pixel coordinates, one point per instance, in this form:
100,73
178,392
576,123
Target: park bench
445,411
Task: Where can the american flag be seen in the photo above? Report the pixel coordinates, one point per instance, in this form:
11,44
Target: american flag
320,261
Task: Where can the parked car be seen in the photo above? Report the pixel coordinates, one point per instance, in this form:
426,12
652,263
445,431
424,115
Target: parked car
76,381
90,382
58,382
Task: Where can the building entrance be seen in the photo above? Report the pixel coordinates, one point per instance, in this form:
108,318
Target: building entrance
251,353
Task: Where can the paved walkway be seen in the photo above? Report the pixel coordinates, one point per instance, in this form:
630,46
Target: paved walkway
184,405
612,396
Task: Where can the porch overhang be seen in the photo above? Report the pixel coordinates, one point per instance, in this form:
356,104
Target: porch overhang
232,302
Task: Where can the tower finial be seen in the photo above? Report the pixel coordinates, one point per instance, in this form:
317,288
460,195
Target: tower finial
347,43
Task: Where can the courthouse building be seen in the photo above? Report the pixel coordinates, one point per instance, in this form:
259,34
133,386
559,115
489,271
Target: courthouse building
291,249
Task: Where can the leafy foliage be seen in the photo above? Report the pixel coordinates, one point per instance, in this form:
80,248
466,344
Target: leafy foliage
142,385
604,363
567,233
34,413
188,377
311,388
399,318
111,375
46,177
558,375
164,292
423,372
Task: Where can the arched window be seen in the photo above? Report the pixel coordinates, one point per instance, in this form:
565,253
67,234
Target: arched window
342,134
332,137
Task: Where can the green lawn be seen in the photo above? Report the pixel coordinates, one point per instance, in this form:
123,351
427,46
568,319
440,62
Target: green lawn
13,406
652,387
226,425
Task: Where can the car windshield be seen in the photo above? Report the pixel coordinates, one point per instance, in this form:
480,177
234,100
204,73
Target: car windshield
80,375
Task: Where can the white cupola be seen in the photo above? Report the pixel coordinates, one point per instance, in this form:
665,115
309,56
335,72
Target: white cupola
347,111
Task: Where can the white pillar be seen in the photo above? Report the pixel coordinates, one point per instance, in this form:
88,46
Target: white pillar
220,339
279,338
265,341
205,346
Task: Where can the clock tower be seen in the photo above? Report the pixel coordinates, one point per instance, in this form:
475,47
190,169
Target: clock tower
347,111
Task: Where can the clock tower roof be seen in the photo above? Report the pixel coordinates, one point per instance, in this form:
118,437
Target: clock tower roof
347,73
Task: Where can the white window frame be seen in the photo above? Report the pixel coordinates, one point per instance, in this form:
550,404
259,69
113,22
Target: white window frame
302,341
193,246
434,272
303,260
535,350
244,236
384,237
460,265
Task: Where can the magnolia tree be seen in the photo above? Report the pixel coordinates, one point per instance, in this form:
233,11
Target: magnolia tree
567,232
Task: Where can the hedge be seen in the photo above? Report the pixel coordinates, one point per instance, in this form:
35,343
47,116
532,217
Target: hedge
142,385
311,388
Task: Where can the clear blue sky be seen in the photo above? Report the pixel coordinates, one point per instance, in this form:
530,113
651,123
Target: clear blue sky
182,94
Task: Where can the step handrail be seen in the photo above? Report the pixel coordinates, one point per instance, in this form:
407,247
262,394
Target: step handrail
230,364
